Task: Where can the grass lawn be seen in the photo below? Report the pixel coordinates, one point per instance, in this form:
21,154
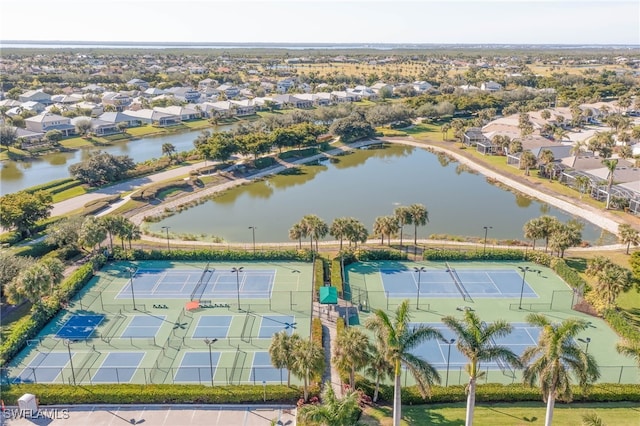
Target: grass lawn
69,193
144,131
524,413
13,154
12,317
197,124
81,142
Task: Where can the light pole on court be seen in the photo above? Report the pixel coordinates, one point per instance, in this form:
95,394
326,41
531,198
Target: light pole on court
449,343
210,342
237,271
419,271
133,296
253,234
166,228
524,274
486,231
67,343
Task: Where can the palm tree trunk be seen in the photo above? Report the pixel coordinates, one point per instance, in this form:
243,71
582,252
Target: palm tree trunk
401,229
352,378
341,244
415,234
306,389
397,403
551,401
311,242
471,401
300,243
377,389
628,246
288,378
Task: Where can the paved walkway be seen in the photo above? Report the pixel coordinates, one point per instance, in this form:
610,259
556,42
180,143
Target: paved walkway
156,415
329,334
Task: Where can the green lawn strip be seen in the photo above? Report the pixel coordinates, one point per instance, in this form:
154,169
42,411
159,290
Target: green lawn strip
612,413
10,318
14,154
69,193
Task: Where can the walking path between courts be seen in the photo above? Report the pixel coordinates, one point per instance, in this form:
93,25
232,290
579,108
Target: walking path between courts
154,415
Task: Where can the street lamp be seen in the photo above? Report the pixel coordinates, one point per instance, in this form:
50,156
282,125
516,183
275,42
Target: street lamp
264,391
166,228
210,342
253,233
418,270
133,296
67,343
588,340
237,271
486,230
449,343
524,274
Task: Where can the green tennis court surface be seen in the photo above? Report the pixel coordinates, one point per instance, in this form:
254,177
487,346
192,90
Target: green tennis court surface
172,322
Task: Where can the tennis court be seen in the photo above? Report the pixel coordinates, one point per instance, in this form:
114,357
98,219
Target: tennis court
501,283
210,283
182,323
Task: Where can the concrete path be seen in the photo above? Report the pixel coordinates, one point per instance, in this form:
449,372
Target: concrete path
154,415
329,334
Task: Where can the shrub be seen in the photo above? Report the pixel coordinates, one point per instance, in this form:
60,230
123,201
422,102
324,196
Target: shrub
318,273
94,208
34,250
316,331
336,275
152,191
151,394
621,325
365,255
206,254
568,274
340,326
49,185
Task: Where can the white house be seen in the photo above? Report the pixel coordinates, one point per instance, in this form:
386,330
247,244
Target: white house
154,118
378,87
42,123
421,86
36,96
284,85
187,112
490,86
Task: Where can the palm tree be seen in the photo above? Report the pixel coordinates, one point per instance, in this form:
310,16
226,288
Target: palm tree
33,283
55,268
445,130
528,160
476,341
350,352
296,232
378,228
611,165
628,235
592,419
533,230
582,182
169,150
379,368
339,228
557,357
611,281
559,134
418,216
281,351
395,339
315,228
548,224
356,232
385,225
333,411
631,349
307,362
402,216
112,225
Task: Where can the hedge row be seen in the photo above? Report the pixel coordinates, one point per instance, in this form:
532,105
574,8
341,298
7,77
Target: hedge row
336,275
49,185
568,274
316,331
494,392
64,186
152,191
14,237
151,394
206,254
34,250
340,326
364,255
455,255
94,206
318,273
621,325
110,199
28,327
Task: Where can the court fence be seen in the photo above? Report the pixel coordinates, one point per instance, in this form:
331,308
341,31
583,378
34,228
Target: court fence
85,374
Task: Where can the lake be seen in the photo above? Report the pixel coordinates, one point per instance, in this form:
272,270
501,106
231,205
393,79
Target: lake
18,175
364,185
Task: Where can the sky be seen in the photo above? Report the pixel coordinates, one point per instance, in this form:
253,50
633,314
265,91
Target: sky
325,21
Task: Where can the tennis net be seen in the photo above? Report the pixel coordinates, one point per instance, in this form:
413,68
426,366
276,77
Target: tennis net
457,282
201,281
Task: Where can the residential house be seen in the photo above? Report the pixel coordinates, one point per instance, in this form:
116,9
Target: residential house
33,106
93,88
384,87
119,100
95,109
220,109
152,92
422,86
294,101
490,86
228,90
140,84
185,94
66,99
284,85
120,117
318,99
99,127
35,96
155,118
42,123
342,97
186,113
473,136
363,92
206,83
27,138
267,102
243,107
468,88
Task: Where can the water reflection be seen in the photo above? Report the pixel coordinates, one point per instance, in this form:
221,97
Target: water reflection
523,201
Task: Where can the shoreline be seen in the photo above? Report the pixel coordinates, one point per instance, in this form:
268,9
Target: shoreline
588,213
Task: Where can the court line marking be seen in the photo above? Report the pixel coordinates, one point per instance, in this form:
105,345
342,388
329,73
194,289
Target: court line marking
492,283
136,367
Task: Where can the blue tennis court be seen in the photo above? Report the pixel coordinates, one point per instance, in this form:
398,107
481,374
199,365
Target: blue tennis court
44,368
118,367
143,326
498,283
196,367
79,326
272,324
212,326
264,371
194,284
522,336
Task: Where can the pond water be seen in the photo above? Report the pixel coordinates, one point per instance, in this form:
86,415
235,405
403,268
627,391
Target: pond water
364,185
17,175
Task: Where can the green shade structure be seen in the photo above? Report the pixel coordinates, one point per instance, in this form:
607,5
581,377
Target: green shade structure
329,295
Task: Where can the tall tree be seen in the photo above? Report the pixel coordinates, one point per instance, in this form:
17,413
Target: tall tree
356,232
556,358
611,167
631,349
476,341
308,362
8,135
21,210
281,351
350,353
112,225
396,338
169,150
628,235
33,283
379,368
339,228
315,228
528,160
402,214
92,233
65,232
548,225
533,230
297,232
418,216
